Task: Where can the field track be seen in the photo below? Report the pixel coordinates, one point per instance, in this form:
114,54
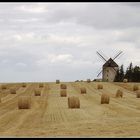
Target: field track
50,116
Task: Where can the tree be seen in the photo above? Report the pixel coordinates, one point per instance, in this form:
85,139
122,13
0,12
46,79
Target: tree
117,76
136,74
132,74
121,75
129,73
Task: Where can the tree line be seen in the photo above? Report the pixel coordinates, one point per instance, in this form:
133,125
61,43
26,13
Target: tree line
132,74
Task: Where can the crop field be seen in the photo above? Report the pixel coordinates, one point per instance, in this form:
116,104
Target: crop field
50,116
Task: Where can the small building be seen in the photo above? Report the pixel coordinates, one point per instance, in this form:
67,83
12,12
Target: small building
109,70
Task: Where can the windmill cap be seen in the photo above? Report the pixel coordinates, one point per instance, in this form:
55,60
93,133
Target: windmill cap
110,63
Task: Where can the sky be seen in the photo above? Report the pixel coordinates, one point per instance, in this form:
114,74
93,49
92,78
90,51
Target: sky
48,41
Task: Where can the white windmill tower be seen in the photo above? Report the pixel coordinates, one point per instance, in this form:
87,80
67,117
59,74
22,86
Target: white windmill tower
110,67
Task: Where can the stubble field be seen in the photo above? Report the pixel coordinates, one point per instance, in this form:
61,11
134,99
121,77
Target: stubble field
49,115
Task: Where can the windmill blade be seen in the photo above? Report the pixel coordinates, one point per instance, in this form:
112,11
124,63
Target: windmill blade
101,53
117,55
101,56
120,55
99,73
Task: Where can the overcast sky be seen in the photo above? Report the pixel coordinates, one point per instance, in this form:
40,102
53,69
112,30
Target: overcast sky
49,41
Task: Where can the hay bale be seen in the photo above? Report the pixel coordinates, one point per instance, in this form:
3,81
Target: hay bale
41,85
119,93
138,94
105,98
57,81
88,80
99,86
125,80
135,87
63,86
13,91
23,84
24,102
63,93
3,87
73,102
83,90
37,92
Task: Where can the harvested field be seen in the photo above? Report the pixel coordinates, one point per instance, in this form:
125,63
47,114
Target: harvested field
49,115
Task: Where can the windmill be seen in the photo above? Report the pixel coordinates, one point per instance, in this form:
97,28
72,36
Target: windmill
109,68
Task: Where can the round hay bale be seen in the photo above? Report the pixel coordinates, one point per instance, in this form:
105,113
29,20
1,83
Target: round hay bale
138,93
83,90
41,85
125,80
99,86
63,93
88,80
135,87
13,91
57,81
3,87
37,92
73,102
105,98
23,84
119,93
24,102
63,86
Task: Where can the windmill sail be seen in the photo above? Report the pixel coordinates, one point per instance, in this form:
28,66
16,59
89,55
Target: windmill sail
117,55
101,56
110,67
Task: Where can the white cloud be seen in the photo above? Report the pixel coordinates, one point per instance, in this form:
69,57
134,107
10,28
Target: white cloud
24,36
18,37
41,62
53,58
22,20
20,64
33,8
63,39
5,61
49,59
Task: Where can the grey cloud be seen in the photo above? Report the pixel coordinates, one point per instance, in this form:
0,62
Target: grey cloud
99,15
61,41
